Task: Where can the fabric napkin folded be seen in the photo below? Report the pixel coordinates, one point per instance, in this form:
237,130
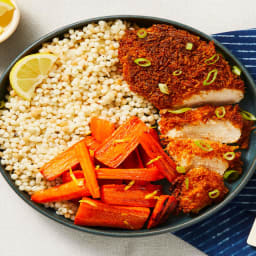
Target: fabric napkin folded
226,232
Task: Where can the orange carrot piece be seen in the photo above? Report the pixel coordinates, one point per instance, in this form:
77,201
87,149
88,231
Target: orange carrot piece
154,134
95,213
65,160
87,165
121,143
164,207
80,174
133,160
157,155
67,191
101,129
143,174
136,195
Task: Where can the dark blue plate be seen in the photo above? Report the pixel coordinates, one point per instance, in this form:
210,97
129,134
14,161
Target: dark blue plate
174,223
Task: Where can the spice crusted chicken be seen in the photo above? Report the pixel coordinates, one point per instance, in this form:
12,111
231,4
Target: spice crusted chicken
222,124
199,188
173,68
215,156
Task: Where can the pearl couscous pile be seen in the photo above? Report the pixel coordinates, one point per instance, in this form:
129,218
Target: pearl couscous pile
84,82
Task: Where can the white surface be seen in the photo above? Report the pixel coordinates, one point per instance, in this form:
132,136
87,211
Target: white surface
251,240
23,231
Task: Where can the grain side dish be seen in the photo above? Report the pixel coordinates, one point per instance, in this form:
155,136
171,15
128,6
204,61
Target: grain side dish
121,109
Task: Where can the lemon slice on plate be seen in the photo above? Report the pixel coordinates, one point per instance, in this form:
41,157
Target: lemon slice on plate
30,71
5,6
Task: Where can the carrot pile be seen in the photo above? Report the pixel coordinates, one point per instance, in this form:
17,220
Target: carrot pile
111,174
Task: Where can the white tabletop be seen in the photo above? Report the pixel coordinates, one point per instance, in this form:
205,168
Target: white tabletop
23,231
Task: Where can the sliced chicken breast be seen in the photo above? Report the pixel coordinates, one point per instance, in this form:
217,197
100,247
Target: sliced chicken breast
221,124
190,154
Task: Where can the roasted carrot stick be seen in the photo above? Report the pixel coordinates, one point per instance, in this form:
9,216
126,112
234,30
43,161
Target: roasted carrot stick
163,208
101,129
95,213
80,174
121,143
154,134
60,164
133,160
136,195
67,191
157,155
91,143
87,165
143,174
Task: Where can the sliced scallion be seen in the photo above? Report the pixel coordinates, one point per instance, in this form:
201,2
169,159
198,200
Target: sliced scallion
177,72
236,70
212,60
179,111
163,88
220,112
186,183
212,73
203,145
214,194
248,116
231,175
142,33
189,46
180,169
229,156
143,62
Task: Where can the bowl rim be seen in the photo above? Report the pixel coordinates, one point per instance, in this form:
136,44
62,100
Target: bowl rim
135,233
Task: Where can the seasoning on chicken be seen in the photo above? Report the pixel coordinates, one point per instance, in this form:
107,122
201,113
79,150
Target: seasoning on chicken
213,155
161,67
199,188
223,124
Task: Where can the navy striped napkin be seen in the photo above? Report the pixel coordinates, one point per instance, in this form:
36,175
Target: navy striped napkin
226,233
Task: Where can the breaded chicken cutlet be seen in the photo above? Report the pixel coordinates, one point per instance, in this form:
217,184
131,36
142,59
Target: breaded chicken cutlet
222,124
173,68
213,155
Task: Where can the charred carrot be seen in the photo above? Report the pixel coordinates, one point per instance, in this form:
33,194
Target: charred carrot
121,143
95,213
135,195
133,160
67,191
101,129
163,208
143,174
60,164
87,165
157,156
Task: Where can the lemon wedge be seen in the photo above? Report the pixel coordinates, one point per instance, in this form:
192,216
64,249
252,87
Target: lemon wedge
30,71
5,6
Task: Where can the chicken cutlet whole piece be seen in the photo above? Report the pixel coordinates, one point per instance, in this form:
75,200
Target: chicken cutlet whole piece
173,68
215,156
199,188
222,124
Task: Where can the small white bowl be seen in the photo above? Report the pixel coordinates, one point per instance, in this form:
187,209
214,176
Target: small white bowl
10,29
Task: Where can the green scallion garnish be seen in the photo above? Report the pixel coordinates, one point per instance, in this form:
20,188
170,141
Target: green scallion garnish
179,111
220,112
207,81
142,33
212,60
177,72
231,175
186,183
229,156
143,62
248,116
163,88
214,194
236,70
189,46
180,169
203,145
